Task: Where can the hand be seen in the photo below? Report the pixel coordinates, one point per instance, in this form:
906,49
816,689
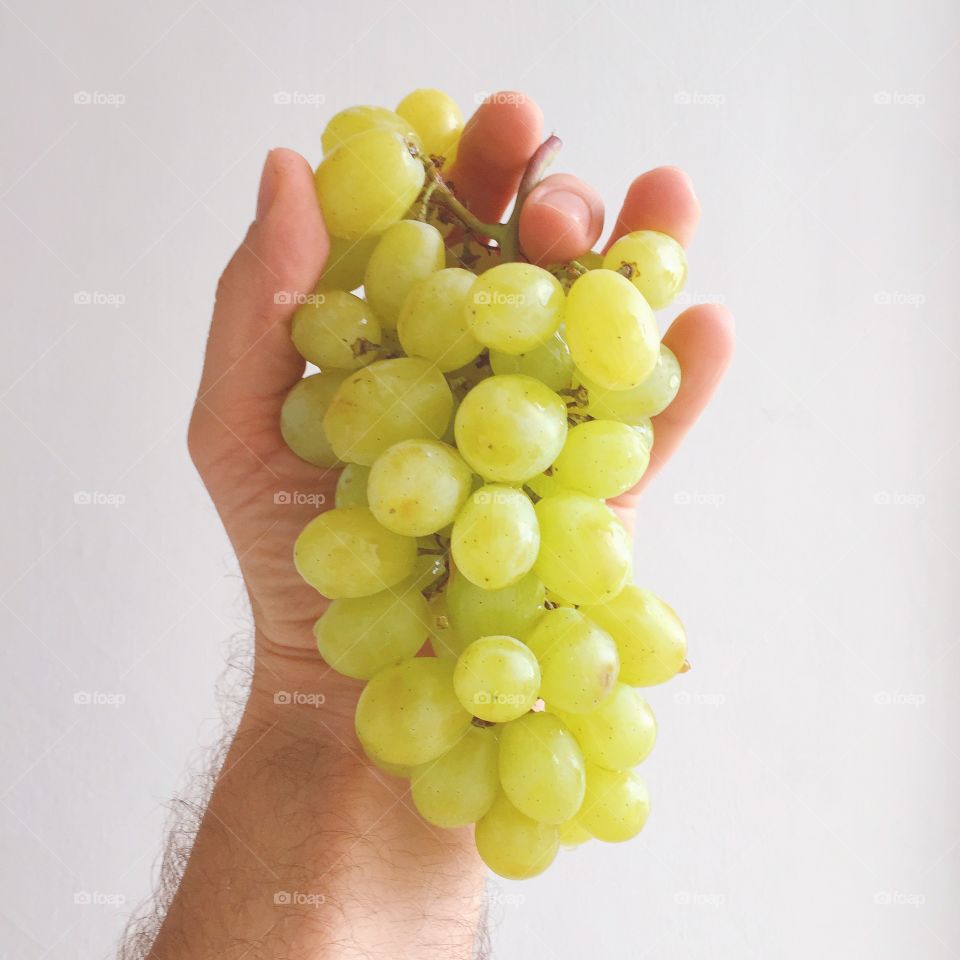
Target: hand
251,364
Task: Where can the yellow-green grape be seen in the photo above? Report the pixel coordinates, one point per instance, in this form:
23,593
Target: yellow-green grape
352,486
476,612
358,637
301,417
573,833
432,321
611,330
444,639
653,262
515,307
347,261
585,552
636,406
407,252
394,769
389,401
459,787
408,712
513,845
348,123
346,553
578,660
550,363
495,537
335,329
417,487
497,679
368,183
602,458
541,767
645,431
436,118
544,484
616,805
619,734
648,634
592,260
510,428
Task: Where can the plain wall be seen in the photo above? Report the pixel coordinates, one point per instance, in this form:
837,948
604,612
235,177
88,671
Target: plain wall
805,782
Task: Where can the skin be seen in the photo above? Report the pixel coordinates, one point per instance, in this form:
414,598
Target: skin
297,810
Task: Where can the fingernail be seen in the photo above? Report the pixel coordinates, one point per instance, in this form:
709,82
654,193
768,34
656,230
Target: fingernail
568,203
268,187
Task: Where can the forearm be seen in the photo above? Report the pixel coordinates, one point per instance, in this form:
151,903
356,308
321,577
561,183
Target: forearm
306,850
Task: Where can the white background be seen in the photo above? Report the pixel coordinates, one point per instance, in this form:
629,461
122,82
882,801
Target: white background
805,782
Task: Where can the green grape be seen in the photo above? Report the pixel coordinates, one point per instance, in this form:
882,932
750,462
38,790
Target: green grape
368,183
476,612
352,486
335,329
619,734
653,262
545,484
585,552
515,307
347,261
301,417
427,569
578,660
636,406
348,123
513,845
389,401
550,363
592,260
495,537
444,639
616,805
602,458
459,787
497,679
408,712
510,428
645,431
407,252
417,487
541,767
346,553
648,634
358,637
573,833
432,322
611,330
436,118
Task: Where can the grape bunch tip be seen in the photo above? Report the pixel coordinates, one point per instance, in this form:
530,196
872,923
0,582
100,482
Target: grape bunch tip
482,410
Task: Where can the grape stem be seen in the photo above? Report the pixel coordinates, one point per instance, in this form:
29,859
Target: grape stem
506,235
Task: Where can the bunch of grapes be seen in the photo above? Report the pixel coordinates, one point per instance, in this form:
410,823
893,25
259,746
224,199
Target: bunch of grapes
483,410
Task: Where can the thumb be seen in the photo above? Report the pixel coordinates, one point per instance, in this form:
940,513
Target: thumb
250,362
